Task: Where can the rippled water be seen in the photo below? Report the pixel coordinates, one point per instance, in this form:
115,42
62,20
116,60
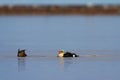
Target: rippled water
94,38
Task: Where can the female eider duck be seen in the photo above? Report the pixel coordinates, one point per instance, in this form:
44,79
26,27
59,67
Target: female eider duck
61,53
21,53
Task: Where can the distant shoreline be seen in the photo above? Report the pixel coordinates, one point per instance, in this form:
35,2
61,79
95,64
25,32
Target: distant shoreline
60,9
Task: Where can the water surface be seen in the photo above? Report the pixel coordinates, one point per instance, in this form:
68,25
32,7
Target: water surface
94,38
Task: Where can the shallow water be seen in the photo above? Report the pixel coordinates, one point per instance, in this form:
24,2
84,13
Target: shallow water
85,67
94,38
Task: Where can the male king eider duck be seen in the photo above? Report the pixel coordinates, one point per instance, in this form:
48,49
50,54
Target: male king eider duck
21,53
61,53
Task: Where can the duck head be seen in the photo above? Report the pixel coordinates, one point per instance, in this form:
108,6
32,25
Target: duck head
21,53
60,53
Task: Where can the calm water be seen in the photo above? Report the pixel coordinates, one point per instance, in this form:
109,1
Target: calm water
61,2
94,38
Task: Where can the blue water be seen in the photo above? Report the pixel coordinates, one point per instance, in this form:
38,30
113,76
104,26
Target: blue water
94,38
61,2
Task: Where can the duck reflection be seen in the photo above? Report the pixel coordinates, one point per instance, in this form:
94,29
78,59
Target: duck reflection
21,63
65,63
61,63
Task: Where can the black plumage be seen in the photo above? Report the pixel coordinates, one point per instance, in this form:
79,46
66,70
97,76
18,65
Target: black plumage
69,54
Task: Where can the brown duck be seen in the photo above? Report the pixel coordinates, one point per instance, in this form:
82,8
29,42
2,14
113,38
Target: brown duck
21,53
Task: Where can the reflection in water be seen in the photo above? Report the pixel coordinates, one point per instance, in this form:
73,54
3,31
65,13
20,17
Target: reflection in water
61,63
21,63
66,62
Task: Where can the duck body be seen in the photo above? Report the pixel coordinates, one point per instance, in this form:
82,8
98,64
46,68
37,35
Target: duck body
21,53
69,54
61,53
